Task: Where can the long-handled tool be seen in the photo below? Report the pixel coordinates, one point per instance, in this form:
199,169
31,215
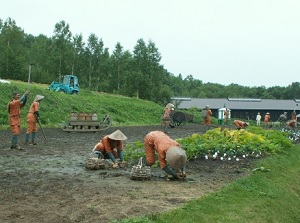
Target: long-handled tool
42,129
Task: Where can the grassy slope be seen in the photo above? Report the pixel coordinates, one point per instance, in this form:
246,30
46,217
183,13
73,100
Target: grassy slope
56,107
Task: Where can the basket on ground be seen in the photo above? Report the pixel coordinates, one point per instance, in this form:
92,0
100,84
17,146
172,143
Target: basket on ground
93,163
140,171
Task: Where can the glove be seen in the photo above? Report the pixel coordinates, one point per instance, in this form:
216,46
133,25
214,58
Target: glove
115,165
182,175
170,172
145,161
99,154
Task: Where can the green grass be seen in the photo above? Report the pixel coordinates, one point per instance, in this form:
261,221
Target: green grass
56,108
264,196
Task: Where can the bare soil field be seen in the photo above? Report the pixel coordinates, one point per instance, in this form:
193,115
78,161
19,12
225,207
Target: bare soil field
48,182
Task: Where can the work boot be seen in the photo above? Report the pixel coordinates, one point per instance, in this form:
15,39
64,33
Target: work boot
26,142
123,164
33,143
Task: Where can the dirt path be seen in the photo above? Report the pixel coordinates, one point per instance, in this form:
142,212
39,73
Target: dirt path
49,183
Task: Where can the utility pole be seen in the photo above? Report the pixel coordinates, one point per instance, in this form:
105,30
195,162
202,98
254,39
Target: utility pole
30,65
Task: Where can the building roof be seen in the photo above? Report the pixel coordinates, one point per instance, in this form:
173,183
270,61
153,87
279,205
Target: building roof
237,103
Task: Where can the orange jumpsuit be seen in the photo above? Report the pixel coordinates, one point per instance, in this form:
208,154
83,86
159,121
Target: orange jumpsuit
160,142
107,145
292,123
15,107
225,117
31,117
239,124
294,116
267,119
167,115
207,119
166,118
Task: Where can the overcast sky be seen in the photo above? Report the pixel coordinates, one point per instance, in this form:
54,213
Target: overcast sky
245,42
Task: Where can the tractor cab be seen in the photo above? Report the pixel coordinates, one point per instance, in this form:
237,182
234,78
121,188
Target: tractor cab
70,85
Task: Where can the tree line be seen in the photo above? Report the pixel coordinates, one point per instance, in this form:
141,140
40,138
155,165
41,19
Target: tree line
134,74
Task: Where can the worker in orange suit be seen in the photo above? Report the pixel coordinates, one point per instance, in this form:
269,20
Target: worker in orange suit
32,118
166,118
225,116
294,115
172,158
14,110
111,146
267,118
207,119
293,122
240,124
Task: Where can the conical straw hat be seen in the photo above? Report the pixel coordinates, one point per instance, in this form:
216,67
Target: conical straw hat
176,157
170,105
38,97
117,135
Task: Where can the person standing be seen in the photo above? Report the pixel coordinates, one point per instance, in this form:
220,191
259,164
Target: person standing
32,118
267,118
207,113
293,122
225,116
172,158
166,117
111,147
282,119
294,115
258,119
14,110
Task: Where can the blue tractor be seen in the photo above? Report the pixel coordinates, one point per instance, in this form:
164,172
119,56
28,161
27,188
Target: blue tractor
69,85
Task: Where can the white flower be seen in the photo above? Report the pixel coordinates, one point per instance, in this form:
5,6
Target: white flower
237,159
206,157
221,158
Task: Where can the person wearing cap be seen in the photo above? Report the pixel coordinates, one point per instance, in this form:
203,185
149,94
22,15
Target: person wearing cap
207,119
32,117
14,109
172,158
166,117
111,146
240,124
258,119
267,118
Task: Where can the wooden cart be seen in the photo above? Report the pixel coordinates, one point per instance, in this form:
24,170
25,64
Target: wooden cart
84,122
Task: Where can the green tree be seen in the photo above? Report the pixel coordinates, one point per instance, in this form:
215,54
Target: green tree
62,39
78,48
12,53
120,63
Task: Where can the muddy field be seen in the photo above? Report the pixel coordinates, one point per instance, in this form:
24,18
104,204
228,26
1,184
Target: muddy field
48,182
